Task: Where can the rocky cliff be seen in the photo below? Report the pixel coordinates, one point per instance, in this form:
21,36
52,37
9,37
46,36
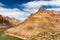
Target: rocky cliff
38,26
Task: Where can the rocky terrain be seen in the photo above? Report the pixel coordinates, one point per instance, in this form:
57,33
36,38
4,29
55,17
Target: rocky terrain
42,25
7,22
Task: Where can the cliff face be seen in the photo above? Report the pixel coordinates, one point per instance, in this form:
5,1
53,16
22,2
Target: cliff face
43,21
7,21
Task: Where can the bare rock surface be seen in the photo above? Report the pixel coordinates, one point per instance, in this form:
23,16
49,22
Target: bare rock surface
41,25
7,22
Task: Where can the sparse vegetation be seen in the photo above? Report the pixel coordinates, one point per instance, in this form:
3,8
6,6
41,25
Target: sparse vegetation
6,37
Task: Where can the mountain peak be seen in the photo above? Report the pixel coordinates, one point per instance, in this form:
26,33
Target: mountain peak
43,21
41,10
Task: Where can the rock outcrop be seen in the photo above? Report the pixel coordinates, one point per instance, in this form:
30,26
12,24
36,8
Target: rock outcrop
42,22
7,21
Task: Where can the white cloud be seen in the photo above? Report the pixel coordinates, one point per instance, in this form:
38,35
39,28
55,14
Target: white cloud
33,6
18,14
37,4
15,12
8,10
28,10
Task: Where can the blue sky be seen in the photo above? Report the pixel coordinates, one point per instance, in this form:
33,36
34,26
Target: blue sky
21,9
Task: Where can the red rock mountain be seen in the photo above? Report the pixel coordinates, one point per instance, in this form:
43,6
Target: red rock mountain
43,21
4,20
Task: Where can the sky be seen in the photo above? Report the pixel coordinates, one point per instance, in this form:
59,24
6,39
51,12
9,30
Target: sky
21,9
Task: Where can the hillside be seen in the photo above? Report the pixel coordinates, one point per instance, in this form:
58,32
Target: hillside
7,37
7,22
42,25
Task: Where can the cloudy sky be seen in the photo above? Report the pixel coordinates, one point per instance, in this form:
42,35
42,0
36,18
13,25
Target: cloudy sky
21,9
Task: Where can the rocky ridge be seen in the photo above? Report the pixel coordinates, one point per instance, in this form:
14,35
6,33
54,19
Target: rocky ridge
38,26
8,22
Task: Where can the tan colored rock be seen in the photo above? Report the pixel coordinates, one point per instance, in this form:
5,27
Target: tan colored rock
43,21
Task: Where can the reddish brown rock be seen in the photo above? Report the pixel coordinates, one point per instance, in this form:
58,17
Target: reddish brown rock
9,21
43,21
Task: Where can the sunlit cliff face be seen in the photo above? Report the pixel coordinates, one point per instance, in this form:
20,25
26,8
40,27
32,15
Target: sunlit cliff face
43,21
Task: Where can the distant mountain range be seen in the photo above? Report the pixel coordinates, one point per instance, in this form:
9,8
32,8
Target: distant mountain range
7,22
43,21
